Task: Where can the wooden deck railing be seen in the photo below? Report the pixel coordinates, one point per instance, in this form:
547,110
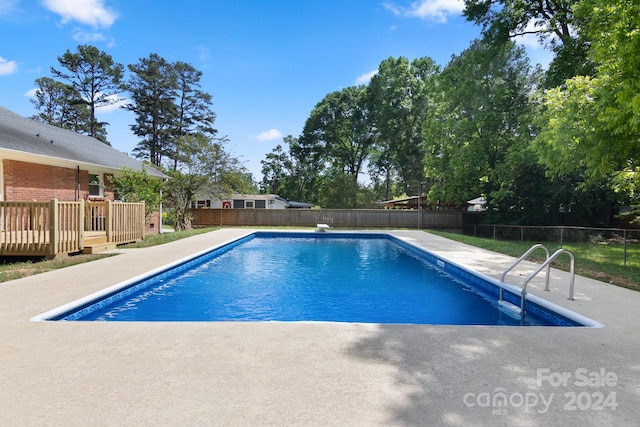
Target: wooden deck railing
56,227
122,222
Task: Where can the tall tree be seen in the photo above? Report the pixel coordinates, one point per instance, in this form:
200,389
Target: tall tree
277,169
307,167
401,95
591,125
54,101
193,108
553,22
482,117
96,77
341,127
153,86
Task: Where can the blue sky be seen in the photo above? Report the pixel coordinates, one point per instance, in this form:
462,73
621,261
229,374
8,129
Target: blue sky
265,62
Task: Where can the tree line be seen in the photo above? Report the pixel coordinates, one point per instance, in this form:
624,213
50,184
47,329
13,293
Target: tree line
174,121
543,146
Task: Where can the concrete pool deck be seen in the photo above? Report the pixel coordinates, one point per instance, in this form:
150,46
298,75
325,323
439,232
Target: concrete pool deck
201,374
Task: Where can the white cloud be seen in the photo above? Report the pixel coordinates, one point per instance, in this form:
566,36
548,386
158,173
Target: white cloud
430,10
31,93
90,12
7,67
269,135
84,37
365,78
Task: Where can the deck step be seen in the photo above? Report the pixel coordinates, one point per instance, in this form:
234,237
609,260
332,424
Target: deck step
95,241
99,247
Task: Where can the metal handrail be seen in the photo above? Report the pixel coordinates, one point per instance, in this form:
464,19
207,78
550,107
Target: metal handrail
516,262
546,264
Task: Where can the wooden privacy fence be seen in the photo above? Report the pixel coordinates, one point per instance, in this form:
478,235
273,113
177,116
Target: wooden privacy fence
341,218
56,227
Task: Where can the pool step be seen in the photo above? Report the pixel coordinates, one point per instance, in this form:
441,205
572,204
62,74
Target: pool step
510,309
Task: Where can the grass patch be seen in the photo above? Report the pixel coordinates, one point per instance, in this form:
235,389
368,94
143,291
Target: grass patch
602,261
159,239
12,268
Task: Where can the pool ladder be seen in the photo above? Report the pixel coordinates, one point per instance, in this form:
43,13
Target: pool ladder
544,266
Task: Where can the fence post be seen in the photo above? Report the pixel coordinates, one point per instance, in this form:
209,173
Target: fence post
521,233
561,236
53,227
494,232
624,234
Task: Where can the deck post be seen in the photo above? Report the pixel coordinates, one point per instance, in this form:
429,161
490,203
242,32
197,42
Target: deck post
108,221
54,225
81,224
142,220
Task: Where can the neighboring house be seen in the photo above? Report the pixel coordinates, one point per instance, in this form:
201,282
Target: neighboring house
410,202
40,162
479,204
250,201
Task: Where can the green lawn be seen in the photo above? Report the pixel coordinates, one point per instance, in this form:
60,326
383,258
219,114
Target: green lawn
601,261
16,267
166,237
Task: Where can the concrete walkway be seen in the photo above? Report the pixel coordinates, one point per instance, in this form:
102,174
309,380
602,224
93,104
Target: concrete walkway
204,374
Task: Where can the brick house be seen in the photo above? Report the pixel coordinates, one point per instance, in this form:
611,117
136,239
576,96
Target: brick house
40,162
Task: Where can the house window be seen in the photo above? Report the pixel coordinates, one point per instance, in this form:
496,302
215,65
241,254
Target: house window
249,204
203,204
261,204
95,186
238,204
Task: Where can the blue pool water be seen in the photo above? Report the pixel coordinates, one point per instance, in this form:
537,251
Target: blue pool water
310,277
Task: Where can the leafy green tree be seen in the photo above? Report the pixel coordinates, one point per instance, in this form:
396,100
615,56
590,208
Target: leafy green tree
206,170
135,187
481,119
614,28
401,95
292,174
54,102
277,169
336,190
504,19
96,78
308,166
340,130
591,125
152,86
552,22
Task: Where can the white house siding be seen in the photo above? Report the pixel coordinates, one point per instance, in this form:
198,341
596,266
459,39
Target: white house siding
244,201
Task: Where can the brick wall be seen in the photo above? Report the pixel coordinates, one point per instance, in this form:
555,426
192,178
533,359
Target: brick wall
29,181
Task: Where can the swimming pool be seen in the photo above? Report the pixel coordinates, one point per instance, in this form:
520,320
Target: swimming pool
338,277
